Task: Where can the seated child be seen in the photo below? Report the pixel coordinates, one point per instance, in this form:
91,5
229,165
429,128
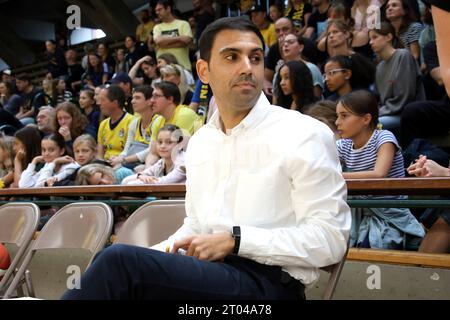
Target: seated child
170,168
57,165
7,156
367,152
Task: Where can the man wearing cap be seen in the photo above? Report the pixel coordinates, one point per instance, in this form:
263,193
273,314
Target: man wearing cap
258,15
124,81
7,76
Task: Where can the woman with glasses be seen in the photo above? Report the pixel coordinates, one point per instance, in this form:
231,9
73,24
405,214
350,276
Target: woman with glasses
292,50
338,76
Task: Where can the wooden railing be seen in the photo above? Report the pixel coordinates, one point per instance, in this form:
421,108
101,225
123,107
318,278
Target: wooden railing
113,191
406,186
398,257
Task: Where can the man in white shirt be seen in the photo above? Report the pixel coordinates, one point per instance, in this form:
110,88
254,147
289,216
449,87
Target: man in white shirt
265,197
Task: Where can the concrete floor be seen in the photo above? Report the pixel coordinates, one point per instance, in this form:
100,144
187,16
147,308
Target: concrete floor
389,282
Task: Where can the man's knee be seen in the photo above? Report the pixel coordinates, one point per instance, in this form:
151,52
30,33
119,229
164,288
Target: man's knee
114,254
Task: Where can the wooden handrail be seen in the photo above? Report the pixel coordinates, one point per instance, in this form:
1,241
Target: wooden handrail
169,190
411,258
407,186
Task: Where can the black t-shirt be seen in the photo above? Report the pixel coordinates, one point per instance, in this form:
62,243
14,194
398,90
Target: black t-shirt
317,21
430,55
298,16
443,4
7,118
273,56
28,99
188,97
57,63
202,21
74,73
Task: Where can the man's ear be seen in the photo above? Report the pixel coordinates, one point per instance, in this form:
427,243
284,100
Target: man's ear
203,70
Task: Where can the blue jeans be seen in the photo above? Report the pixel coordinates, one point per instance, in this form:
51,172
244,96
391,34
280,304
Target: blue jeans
391,123
130,272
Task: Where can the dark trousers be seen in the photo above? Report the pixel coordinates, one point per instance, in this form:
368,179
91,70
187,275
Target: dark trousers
129,272
424,119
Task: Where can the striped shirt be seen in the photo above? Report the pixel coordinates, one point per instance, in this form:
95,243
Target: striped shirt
411,34
364,159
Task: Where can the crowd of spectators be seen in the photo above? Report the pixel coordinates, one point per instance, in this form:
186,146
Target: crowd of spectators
125,116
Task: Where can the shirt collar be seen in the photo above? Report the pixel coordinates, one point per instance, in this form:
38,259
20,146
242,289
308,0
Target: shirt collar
256,114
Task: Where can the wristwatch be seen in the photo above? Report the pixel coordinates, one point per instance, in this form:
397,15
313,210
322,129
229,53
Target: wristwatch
237,238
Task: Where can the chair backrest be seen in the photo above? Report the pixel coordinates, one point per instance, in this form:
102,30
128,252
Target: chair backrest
83,225
18,223
152,223
335,273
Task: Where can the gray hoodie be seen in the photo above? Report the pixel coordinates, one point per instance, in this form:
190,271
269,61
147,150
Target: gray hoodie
398,82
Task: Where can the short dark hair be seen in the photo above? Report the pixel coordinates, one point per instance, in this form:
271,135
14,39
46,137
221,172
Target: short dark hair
208,36
23,77
361,102
147,91
115,92
131,37
166,3
169,89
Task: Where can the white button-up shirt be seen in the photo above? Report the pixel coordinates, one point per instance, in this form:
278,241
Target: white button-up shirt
277,175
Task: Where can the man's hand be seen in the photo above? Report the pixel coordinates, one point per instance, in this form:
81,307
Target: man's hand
209,247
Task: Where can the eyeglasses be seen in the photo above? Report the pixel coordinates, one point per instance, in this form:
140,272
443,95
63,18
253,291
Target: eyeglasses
292,41
156,96
333,72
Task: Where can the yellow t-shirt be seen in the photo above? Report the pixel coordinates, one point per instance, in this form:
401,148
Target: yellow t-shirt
175,28
183,117
113,139
143,30
269,35
155,124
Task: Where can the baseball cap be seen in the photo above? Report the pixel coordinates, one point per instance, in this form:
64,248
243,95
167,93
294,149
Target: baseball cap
257,8
120,77
7,71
